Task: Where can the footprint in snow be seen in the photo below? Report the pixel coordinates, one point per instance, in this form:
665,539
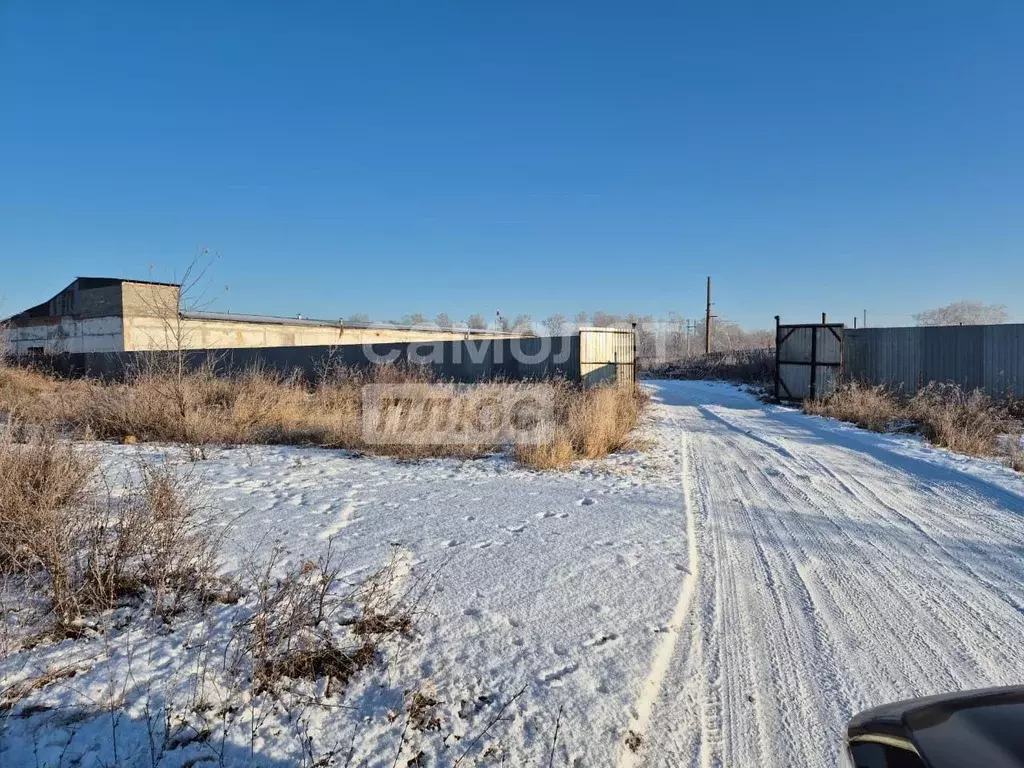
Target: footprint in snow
600,640
586,501
629,560
515,528
555,675
544,515
483,544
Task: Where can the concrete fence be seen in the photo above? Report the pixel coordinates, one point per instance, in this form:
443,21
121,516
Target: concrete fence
988,357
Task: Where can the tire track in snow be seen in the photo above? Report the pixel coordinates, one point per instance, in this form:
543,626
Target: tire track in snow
650,689
829,580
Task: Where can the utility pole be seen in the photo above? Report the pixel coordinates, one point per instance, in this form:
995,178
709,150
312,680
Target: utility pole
707,323
854,322
865,323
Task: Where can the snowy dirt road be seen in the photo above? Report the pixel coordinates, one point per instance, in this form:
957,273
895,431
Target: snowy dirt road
728,596
834,570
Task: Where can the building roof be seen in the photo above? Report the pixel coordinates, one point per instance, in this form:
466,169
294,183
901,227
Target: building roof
105,282
88,283
274,320
84,283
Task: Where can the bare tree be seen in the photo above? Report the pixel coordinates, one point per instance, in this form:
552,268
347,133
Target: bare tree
443,320
358,318
555,324
605,319
166,364
476,322
522,324
964,313
416,318
580,318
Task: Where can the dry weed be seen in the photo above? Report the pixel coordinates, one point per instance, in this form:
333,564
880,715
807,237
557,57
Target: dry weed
86,549
589,423
869,407
307,625
1017,460
743,366
968,422
259,406
965,422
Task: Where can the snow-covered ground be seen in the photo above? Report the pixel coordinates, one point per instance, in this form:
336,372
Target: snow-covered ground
730,595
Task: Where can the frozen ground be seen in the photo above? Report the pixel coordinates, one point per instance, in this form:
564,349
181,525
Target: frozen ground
728,596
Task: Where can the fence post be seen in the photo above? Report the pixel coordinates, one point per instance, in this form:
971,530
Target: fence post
813,389
776,357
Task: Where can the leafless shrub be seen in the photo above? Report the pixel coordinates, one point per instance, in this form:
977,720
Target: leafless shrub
870,407
965,422
1017,459
307,625
743,366
88,550
968,422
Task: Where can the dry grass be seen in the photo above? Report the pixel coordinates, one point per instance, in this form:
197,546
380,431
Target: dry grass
965,422
259,406
869,407
84,548
971,423
1017,460
742,366
589,423
308,624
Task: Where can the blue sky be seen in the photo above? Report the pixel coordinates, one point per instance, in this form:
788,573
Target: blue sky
394,157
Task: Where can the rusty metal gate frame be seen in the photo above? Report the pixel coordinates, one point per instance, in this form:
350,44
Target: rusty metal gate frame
837,330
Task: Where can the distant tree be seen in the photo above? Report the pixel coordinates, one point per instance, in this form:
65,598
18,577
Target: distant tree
522,324
358,318
476,322
555,324
964,313
443,320
604,319
580,318
414,319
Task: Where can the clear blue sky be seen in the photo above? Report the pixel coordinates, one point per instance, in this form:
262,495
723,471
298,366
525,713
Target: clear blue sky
386,157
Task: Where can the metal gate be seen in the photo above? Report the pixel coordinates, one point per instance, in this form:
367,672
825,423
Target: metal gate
808,360
607,354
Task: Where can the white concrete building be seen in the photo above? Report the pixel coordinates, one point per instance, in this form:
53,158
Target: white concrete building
107,314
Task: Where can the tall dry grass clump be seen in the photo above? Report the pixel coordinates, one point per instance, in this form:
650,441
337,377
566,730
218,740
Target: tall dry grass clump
589,423
870,407
85,549
200,408
965,422
968,422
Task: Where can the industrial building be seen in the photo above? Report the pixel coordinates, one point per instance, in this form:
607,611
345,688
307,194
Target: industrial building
105,314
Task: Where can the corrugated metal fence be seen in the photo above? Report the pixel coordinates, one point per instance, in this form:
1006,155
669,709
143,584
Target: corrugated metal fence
988,357
607,354
465,361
